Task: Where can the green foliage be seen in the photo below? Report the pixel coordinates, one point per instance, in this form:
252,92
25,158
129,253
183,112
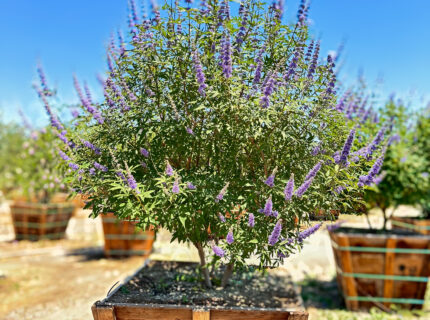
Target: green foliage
405,178
11,141
223,141
34,171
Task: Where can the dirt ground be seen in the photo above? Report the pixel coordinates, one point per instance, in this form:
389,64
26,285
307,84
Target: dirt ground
61,279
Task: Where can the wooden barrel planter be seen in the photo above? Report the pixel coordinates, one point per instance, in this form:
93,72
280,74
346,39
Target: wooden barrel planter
123,239
380,269
35,221
418,225
110,309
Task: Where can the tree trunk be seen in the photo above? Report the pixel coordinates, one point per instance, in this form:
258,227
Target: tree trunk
227,274
384,211
203,265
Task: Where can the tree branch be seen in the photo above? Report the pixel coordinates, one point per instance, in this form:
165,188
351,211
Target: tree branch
203,264
227,274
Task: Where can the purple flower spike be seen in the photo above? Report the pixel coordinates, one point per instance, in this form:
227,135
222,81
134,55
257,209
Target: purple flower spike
221,217
270,181
375,143
64,156
313,172
132,183
191,186
302,189
144,152
226,61
220,195
218,251
289,189
268,207
308,232
74,166
230,238
347,148
100,167
274,236
189,131
169,169
175,188
200,76
251,220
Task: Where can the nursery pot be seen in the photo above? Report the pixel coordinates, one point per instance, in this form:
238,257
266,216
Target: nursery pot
123,239
36,221
380,268
418,225
158,291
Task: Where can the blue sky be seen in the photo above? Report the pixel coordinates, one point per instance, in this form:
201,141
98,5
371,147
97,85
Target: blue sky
384,37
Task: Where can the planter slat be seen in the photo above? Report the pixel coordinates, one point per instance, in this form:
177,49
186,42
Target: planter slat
382,268
123,239
105,313
201,315
140,313
145,312
346,264
34,221
421,226
389,270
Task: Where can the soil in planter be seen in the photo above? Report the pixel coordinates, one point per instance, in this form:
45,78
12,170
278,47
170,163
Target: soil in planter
180,283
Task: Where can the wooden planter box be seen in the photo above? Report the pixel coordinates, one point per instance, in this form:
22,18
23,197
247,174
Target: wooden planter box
105,310
381,269
411,224
35,221
123,239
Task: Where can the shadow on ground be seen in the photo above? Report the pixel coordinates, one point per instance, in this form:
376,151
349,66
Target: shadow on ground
87,254
321,294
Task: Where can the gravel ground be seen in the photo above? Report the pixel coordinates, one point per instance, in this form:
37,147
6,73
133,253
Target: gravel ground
61,279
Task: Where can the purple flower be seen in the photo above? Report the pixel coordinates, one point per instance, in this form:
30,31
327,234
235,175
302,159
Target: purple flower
376,142
64,156
259,62
75,113
316,150
369,179
267,91
175,188
336,157
268,207
230,238
132,182
169,169
334,226
294,63
74,166
270,181
191,186
308,232
314,62
226,61
92,147
189,130
347,147
100,167
302,189
220,195
200,76
221,217
218,251
121,175
276,232
339,189
289,189
313,172
251,220
144,152
92,171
